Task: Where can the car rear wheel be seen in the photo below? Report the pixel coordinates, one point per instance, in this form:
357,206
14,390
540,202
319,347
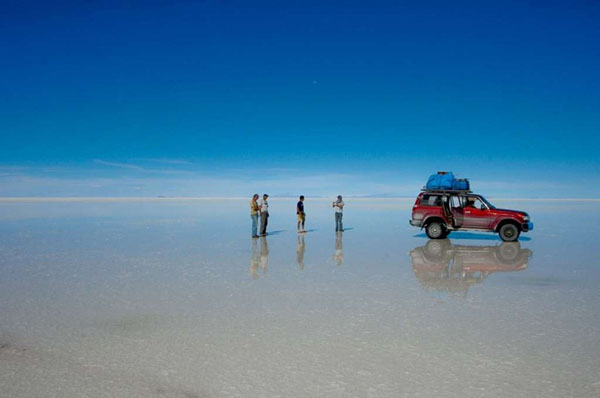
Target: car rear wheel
435,230
509,232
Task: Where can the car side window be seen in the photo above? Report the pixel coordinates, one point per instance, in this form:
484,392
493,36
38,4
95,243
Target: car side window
455,202
431,200
473,202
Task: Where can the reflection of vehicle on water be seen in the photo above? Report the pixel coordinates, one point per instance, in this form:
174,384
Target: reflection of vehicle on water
440,265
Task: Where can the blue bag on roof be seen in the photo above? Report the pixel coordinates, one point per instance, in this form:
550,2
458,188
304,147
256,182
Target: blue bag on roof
446,180
441,180
460,184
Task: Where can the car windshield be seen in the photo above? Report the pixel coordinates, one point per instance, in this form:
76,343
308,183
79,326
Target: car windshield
484,200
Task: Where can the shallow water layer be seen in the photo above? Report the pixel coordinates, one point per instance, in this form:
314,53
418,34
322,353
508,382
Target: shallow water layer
173,298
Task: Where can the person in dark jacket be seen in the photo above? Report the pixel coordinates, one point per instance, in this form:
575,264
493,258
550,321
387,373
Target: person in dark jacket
301,214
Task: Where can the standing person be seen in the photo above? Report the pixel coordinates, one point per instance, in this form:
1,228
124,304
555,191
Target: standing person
264,215
254,210
338,206
301,214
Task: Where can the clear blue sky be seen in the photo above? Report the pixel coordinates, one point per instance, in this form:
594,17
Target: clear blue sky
211,98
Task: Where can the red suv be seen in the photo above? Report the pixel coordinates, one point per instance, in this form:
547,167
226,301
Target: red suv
441,212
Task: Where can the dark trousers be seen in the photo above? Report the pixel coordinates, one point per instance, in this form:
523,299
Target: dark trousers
264,220
338,222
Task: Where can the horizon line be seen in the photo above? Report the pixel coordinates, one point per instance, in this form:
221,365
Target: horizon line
14,199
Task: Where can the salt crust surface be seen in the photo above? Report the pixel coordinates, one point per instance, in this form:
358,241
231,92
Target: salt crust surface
174,299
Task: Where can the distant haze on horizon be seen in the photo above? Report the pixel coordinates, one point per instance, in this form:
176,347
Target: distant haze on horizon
181,98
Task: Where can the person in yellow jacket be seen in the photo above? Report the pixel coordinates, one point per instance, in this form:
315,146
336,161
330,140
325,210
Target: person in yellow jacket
254,210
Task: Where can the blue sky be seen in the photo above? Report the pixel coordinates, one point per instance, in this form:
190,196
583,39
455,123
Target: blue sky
223,98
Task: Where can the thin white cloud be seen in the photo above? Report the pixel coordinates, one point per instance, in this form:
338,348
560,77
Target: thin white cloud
180,162
119,165
148,170
224,183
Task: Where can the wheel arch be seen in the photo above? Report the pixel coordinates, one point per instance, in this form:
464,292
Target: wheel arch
505,221
431,219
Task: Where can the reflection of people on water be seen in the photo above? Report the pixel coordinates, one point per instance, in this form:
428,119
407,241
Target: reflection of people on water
264,254
338,254
254,260
259,260
442,266
300,252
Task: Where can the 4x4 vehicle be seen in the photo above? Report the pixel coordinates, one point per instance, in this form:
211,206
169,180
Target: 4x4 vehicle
441,212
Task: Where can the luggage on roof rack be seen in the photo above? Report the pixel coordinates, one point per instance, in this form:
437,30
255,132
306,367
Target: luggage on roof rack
443,191
446,181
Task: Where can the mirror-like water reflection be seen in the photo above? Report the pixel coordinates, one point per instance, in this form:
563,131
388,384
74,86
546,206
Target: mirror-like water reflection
338,254
442,265
174,298
259,260
300,249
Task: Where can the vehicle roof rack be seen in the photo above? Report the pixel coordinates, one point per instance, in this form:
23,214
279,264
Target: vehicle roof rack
446,190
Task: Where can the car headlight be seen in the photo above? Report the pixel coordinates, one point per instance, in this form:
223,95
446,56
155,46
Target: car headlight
418,216
525,218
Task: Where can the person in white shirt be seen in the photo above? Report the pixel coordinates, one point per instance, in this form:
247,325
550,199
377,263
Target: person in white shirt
264,214
338,206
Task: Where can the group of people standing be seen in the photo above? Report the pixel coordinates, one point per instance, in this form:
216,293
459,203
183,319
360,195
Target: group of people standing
260,210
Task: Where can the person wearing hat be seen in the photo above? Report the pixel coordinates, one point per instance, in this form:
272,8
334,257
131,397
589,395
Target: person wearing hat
338,206
264,215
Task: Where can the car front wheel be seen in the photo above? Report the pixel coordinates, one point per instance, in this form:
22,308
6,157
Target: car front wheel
509,232
435,230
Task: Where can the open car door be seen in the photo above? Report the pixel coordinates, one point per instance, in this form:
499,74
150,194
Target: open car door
457,211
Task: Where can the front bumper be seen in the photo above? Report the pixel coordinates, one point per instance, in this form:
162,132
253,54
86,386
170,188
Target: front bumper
416,223
526,227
